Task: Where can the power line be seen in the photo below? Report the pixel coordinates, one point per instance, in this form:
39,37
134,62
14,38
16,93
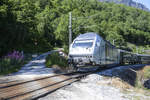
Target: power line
75,18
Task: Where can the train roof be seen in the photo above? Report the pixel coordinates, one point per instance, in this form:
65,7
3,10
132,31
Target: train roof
92,36
144,55
88,36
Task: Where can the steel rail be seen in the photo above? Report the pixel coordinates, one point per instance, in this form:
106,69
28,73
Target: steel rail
13,83
5,93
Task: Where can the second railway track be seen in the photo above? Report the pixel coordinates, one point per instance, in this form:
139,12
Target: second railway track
38,87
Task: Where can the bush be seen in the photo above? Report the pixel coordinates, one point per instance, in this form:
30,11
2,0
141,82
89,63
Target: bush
56,59
11,62
66,49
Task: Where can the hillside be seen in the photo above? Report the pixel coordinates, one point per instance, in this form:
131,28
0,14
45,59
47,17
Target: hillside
40,25
128,3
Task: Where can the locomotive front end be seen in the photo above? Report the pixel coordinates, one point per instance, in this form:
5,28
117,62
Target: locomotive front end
81,52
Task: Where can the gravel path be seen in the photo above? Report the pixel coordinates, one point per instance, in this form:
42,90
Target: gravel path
34,68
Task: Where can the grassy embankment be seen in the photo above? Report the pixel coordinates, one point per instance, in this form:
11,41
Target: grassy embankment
142,75
131,82
133,77
12,62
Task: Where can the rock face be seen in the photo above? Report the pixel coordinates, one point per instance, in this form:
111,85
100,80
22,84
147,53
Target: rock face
128,3
147,84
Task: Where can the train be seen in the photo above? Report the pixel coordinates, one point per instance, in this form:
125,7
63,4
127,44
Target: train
91,49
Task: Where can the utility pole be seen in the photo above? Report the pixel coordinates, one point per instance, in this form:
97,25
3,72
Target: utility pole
70,28
70,25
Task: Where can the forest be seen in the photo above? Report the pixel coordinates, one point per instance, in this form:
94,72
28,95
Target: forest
41,25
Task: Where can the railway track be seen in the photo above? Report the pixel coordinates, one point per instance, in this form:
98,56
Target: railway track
37,87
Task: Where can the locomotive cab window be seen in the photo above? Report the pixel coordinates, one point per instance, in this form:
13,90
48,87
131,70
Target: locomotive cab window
83,44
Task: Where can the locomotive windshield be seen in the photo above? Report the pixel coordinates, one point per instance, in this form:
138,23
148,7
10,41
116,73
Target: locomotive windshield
83,44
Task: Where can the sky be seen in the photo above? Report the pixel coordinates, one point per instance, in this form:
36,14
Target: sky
145,2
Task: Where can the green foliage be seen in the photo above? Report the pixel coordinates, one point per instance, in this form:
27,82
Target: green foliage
146,71
56,59
37,25
12,62
8,65
66,49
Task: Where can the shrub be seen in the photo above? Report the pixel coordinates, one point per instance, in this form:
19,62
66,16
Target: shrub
11,62
66,49
56,59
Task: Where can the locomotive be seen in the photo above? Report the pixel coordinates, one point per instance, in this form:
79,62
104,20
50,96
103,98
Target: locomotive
91,49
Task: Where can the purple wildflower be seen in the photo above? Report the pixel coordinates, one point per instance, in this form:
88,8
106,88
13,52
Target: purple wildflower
15,55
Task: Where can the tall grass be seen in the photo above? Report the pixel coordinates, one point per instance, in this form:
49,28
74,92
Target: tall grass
56,59
11,62
142,76
146,72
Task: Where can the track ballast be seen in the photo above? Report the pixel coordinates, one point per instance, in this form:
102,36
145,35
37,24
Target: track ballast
38,87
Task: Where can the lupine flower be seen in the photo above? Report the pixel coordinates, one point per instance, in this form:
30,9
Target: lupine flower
15,55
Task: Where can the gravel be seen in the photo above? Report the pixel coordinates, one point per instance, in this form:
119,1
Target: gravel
97,87
87,89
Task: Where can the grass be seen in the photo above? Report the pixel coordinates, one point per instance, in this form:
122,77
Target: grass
56,59
146,72
142,75
8,66
137,92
